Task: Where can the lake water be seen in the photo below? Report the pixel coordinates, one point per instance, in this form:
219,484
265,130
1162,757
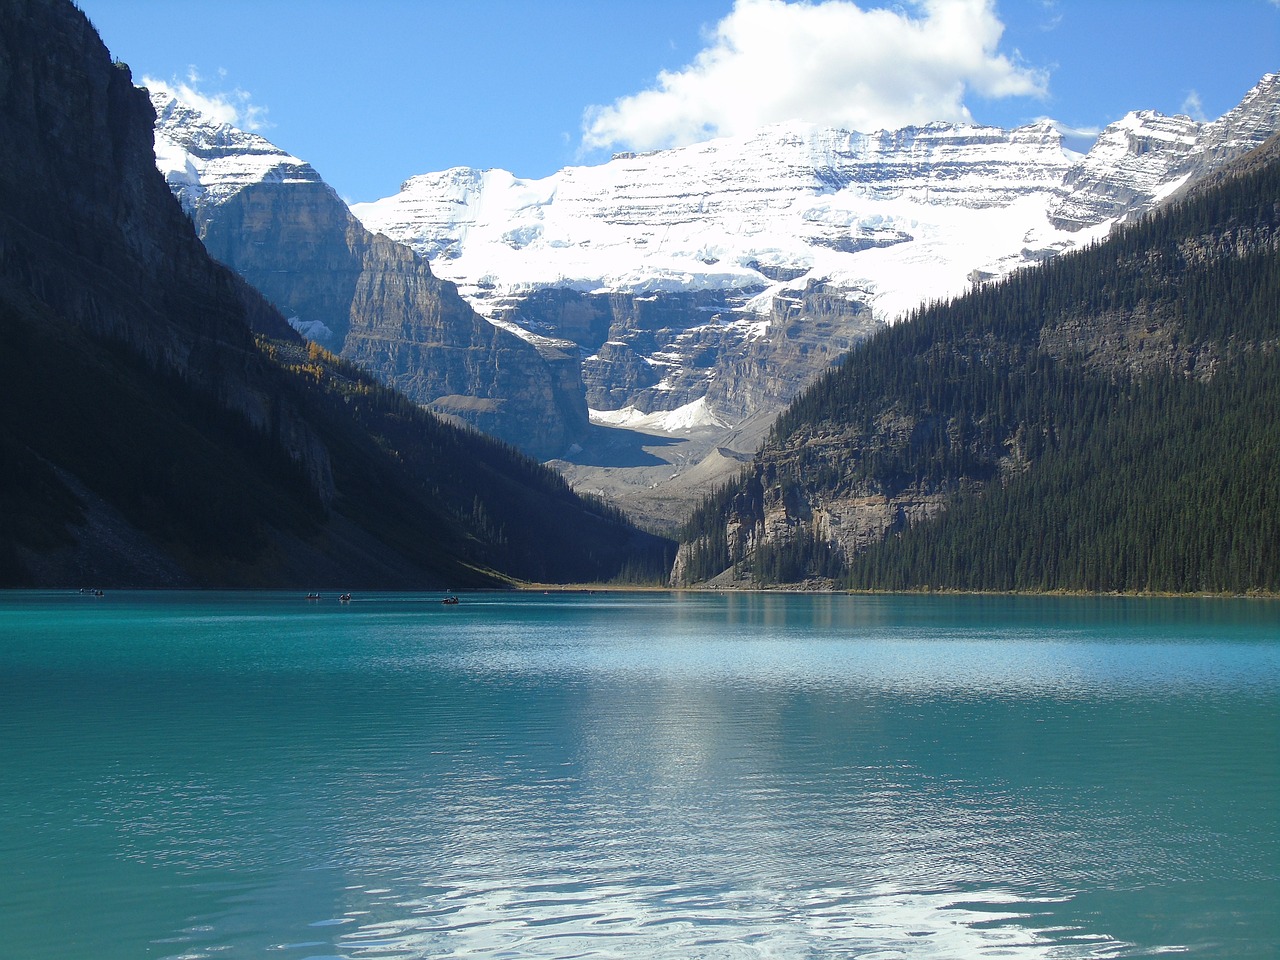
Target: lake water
638,776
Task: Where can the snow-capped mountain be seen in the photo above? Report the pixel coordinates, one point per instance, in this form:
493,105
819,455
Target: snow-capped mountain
269,216
733,241
206,162
905,214
701,287
789,204
716,280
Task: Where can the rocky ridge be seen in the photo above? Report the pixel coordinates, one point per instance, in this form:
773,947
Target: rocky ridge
271,218
1146,157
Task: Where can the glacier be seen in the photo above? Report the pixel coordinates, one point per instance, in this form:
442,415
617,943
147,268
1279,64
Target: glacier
904,215
900,216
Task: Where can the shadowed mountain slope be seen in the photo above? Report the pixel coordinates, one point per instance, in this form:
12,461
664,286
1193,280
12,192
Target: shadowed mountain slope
162,425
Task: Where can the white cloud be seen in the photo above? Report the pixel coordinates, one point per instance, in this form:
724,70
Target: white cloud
831,62
235,107
1192,105
1078,133
1053,15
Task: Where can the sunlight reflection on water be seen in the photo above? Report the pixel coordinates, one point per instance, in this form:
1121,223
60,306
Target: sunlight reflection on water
203,776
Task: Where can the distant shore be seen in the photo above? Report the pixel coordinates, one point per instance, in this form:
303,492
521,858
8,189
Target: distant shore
643,588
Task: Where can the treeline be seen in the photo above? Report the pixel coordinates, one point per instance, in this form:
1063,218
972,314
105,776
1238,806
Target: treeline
1167,485
1104,421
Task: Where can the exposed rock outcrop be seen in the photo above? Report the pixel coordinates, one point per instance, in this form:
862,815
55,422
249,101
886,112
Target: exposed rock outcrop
272,219
1147,157
664,351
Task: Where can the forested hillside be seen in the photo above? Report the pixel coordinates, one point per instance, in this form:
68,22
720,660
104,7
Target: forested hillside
1106,421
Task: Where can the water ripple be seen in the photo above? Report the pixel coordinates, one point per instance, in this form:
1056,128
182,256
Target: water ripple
717,778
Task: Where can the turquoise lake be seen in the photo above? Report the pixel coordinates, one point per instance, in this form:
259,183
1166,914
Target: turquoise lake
240,775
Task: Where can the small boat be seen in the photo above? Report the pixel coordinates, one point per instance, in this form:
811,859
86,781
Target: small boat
345,598
450,600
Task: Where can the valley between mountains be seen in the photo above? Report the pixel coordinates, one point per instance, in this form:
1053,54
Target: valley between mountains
938,357
640,324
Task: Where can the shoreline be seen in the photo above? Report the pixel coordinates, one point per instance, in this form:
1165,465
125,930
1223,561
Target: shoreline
640,588
599,588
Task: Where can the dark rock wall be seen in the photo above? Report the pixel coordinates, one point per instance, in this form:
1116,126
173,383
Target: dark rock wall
299,245
89,231
707,342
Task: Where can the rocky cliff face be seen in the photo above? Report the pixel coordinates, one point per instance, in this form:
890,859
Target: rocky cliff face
418,335
275,222
101,271
91,233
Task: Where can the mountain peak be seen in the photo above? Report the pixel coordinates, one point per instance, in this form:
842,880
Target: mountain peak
791,197
1247,125
207,161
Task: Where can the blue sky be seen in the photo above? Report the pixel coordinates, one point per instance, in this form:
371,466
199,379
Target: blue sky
375,91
